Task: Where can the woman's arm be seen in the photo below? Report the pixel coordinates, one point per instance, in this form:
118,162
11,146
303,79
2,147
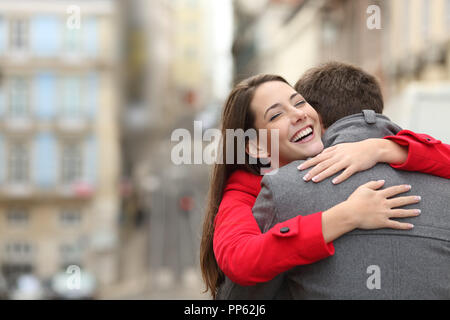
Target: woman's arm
425,154
248,256
405,151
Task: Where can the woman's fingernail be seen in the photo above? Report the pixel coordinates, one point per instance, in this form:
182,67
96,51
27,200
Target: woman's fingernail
315,178
411,226
300,167
335,180
418,198
306,177
418,211
408,187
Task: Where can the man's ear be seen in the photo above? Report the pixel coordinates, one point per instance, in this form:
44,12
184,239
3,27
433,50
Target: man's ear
255,151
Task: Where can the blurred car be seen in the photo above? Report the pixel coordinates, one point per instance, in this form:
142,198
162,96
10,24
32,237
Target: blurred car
28,287
63,286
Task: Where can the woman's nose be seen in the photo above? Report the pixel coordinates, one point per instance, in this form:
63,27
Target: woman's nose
297,115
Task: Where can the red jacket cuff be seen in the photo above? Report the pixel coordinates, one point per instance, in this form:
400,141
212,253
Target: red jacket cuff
308,230
418,149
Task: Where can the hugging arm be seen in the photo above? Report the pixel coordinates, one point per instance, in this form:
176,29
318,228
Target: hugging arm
425,154
248,256
405,151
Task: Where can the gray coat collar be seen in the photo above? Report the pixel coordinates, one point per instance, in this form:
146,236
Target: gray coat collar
357,127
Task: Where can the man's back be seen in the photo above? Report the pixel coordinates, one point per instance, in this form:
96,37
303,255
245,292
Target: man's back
373,264
376,264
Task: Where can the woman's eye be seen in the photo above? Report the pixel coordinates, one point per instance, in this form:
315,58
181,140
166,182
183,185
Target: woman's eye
274,116
300,103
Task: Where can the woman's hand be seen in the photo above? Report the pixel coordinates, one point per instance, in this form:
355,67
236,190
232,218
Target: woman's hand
352,158
373,209
369,208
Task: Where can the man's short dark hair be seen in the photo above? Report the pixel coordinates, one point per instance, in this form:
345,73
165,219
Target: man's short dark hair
337,90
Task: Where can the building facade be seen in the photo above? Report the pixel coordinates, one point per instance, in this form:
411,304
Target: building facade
59,150
418,71
405,44
185,74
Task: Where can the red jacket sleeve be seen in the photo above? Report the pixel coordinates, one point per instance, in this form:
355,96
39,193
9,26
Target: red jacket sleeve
425,154
248,256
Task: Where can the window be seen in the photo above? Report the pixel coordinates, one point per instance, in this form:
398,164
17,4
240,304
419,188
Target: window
71,97
406,23
18,162
447,12
20,250
19,97
19,34
72,40
12,270
70,217
70,254
426,19
71,166
17,216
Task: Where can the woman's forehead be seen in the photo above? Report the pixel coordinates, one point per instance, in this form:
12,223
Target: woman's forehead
272,92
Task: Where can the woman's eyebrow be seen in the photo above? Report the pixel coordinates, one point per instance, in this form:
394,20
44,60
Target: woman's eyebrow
270,108
277,104
294,95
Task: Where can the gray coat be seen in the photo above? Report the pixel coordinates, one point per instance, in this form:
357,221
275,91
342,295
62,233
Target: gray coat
375,264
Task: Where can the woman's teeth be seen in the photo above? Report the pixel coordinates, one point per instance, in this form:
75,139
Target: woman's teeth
302,134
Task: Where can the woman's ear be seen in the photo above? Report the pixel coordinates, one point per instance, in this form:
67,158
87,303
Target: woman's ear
254,150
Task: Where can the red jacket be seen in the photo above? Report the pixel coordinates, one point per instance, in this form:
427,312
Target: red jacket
248,256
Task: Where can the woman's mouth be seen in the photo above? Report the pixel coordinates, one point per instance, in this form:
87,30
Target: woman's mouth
303,135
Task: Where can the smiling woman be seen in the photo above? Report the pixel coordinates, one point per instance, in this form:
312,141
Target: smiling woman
232,243
295,120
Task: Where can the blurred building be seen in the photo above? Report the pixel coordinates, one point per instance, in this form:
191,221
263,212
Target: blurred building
182,73
276,36
287,37
59,147
418,70
405,44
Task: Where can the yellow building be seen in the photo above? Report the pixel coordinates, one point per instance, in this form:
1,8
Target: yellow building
59,148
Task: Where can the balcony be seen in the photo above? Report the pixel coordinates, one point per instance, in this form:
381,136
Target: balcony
71,125
18,125
75,191
31,125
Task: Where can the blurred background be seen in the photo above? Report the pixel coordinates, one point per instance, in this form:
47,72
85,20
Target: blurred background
91,205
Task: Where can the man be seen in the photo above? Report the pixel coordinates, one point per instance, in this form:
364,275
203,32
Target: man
377,264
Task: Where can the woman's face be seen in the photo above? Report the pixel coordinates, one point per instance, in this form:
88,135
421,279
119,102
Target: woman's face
277,106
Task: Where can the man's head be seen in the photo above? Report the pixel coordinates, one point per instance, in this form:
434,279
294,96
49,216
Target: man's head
337,90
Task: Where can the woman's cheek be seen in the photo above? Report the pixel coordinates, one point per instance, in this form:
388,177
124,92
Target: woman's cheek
319,146
266,140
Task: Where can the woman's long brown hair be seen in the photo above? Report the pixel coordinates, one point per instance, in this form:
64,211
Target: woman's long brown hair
236,115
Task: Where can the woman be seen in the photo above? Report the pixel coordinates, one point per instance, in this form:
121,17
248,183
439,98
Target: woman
234,187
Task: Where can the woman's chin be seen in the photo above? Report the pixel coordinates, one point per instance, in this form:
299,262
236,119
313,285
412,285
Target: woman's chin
311,149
